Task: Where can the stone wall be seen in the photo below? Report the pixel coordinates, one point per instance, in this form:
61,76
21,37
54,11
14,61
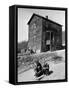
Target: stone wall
38,28
57,32
35,28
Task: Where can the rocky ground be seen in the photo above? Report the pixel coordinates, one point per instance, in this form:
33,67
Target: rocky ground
57,68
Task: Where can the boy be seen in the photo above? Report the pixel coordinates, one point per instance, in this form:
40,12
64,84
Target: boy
38,69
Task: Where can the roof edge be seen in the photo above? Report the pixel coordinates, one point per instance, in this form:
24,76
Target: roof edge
43,18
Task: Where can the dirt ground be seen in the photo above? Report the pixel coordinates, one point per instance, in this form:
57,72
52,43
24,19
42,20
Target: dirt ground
57,70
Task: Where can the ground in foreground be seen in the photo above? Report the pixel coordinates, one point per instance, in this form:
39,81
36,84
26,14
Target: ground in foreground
57,67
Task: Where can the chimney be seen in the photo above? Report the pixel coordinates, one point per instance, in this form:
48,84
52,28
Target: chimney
47,17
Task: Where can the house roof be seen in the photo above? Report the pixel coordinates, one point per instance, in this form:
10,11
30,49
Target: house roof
43,18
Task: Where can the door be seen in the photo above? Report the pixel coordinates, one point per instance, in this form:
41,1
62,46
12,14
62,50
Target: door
49,41
52,41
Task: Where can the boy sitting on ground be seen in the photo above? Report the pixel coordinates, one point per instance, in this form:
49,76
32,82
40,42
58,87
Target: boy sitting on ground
38,69
46,68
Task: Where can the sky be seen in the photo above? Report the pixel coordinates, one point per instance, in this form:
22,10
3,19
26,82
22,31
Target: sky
25,14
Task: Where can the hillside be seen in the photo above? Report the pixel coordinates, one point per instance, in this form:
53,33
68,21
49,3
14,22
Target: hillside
63,37
22,45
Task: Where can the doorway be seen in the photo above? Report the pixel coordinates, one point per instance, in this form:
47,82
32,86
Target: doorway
49,40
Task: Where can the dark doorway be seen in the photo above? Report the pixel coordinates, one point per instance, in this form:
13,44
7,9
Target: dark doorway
47,47
49,41
52,41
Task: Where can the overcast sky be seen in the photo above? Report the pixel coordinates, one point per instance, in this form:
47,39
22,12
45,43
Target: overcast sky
24,16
